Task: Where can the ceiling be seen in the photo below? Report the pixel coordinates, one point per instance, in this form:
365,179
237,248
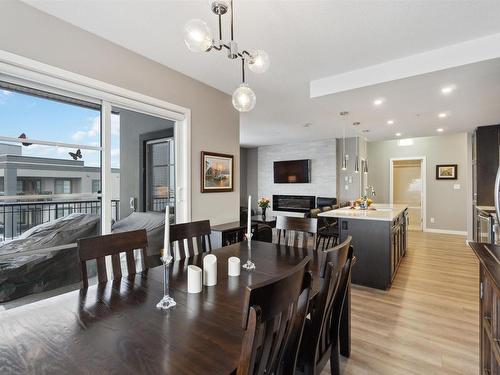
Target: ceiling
309,40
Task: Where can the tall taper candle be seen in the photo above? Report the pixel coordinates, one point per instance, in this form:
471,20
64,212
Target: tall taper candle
166,236
249,226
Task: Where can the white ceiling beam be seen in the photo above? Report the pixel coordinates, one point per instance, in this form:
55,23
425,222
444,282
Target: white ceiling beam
451,56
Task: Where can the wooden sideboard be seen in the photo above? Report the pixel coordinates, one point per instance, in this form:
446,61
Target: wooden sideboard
489,307
229,233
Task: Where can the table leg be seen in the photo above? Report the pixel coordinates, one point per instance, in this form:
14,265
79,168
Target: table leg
345,324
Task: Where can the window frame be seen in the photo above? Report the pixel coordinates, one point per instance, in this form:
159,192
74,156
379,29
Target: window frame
19,70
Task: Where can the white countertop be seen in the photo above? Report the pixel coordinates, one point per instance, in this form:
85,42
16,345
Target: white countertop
381,211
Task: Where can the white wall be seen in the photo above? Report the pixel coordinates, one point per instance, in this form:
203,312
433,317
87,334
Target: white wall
215,124
446,205
323,168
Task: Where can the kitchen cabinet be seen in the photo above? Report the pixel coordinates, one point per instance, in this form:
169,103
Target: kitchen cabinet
379,239
489,307
485,162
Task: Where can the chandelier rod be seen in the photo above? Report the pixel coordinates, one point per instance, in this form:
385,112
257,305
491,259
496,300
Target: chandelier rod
232,21
220,29
243,68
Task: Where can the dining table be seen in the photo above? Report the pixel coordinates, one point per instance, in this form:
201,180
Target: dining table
114,327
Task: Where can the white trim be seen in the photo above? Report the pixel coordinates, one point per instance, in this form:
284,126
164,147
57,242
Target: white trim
49,143
15,68
60,79
423,174
106,179
451,56
446,231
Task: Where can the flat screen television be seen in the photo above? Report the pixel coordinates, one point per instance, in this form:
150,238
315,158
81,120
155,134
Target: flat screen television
292,171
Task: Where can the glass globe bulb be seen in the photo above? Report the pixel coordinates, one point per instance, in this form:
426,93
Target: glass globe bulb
244,98
197,36
259,62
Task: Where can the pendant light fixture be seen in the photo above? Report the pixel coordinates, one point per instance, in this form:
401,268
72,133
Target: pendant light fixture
356,162
365,164
198,38
344,115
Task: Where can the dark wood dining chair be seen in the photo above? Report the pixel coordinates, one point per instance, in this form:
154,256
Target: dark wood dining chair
296,231
111,244
196,231
320,341
270,324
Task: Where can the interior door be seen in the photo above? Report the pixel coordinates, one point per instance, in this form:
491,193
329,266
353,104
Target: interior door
407,189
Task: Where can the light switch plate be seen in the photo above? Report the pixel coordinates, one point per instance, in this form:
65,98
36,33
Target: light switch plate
350,179
346,187
456,186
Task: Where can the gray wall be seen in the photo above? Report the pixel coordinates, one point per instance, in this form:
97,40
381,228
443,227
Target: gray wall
132,125
243,176
323,168
249,176
349,178
215,124
447,205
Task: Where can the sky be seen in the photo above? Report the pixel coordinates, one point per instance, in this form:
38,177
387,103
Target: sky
49,120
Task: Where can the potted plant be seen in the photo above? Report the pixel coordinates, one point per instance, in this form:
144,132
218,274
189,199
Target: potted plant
264,204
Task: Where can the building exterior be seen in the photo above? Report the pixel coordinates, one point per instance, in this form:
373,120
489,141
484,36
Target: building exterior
30,176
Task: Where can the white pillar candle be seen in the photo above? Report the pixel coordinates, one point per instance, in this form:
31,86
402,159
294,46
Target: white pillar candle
166,236
210,270
233,266
249,225
195,279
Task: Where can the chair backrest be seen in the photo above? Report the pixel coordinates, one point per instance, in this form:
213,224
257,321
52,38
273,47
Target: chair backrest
336,255
264,233
198,231
269,313
323,332
295,231
111,244
324,201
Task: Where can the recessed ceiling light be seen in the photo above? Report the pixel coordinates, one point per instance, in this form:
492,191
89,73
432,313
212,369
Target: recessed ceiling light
447,89
442,115
440,130
390,122
378,101
398,134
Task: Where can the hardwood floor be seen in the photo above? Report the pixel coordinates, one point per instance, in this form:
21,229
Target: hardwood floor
427,323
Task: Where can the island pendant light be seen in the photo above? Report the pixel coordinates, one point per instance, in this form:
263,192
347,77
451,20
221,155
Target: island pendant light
356,162
344,114
365,164
198,38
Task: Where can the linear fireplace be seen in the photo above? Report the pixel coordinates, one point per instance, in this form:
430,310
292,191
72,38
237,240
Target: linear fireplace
293,203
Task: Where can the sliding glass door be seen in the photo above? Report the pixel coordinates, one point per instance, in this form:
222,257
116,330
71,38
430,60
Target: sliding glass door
143,156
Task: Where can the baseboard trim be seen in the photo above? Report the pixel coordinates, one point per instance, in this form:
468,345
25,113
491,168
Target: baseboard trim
446,231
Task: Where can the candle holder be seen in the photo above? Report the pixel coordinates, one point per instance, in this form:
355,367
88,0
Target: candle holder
166,302
249,265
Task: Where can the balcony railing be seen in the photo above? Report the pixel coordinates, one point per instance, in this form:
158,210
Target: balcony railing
18,217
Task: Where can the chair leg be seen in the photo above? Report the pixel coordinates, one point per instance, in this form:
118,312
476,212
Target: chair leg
335,360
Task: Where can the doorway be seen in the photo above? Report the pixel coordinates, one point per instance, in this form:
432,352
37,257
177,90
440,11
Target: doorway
408,187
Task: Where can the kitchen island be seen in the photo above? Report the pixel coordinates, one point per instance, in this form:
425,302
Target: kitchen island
379,238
